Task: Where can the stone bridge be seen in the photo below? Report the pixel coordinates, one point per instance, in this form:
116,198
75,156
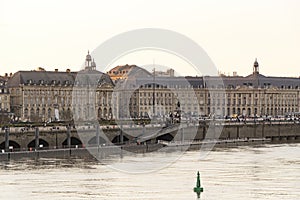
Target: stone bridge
17,138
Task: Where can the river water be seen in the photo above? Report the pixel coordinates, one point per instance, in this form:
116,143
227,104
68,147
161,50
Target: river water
249,172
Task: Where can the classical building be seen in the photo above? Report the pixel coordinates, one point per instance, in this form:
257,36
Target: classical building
4,95
130,91
257,94
140,94
53,95
253,95
4,100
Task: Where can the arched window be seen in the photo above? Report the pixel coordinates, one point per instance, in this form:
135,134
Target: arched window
38,112
49,113
99,113
105,113
31,112
26,113
249,111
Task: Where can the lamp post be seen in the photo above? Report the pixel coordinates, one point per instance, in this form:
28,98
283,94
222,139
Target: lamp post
69,136
37,132
56,141
6,138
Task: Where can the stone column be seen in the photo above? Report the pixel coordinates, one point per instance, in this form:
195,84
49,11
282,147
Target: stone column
69,136
182,135
97,136
121,135
37,142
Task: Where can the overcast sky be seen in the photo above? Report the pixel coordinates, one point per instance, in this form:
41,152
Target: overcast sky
58,33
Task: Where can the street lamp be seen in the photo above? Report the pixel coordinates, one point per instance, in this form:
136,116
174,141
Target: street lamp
56,140
6,128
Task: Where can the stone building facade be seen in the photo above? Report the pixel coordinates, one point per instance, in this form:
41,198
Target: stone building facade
253,95
130,91
53,95
260,95
4,101
4,95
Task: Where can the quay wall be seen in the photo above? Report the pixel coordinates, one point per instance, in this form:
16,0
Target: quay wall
261,130
57,139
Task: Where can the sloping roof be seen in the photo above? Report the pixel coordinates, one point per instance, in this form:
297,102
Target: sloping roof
35,77
258,80
195,82
93,77
50,77
255,81
3,81
2,78
125,70
171,82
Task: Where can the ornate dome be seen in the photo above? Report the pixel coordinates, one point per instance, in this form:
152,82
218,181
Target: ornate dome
93,64
88,57
256,63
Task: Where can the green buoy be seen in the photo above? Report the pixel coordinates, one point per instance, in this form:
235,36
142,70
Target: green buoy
198,189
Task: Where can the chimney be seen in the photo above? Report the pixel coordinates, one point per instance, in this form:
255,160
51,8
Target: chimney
10,75
68,70
6,75
41,69
234,73
56,70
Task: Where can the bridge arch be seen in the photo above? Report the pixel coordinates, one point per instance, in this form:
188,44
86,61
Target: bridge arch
41,142
74,141
12,143
93,141
117,139
166,137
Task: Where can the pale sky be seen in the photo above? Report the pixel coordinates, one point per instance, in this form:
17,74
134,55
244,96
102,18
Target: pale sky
58,33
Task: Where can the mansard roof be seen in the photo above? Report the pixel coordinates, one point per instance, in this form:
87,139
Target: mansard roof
168,82
2,79
41,77
254,80
52,77
261,81
3,82
92,77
